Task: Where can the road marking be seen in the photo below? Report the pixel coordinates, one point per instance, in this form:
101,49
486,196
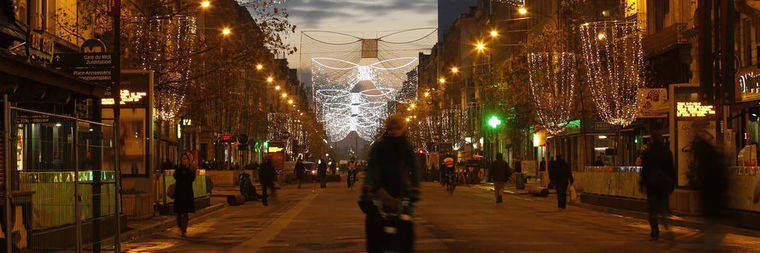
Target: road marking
263,237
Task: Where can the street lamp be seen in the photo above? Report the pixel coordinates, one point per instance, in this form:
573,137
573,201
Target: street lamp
284,95
454,70
522,10
427,94
226,31
412,105
290,101
494,33
601,36
480,46
442,80
277,87
205,4
259,66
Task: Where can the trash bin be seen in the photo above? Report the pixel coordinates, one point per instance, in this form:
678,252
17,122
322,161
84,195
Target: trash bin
520,181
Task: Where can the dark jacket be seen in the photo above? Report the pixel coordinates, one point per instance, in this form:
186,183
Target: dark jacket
500,171
299,169
183,190
392,166
267,174
560,172
657,172
322,169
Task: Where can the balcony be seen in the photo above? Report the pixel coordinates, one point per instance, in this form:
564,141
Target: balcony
667,39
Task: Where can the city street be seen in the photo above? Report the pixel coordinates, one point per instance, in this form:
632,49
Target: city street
316,220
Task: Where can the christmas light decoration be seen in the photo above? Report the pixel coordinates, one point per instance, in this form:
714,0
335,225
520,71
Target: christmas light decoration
353,97
552,84
355,80
613,56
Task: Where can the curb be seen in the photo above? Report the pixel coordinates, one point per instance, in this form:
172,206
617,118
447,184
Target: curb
167,223
633,214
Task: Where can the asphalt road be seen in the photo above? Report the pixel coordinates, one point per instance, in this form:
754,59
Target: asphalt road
317,220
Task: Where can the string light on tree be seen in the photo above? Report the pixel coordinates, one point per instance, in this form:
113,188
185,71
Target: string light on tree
613,56
552,84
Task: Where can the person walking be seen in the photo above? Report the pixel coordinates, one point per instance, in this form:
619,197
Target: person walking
393,178
266,176
299,171
560,177
322,172
184,175
499,173
657,180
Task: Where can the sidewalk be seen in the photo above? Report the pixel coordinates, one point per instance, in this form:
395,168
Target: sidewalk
682,221
137,229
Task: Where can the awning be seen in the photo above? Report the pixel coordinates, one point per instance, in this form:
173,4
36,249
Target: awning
21,69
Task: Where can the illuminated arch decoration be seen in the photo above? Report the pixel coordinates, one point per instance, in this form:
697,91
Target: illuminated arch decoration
354,98
357,77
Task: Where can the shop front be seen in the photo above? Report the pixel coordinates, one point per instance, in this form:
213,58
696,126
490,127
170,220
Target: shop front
56,147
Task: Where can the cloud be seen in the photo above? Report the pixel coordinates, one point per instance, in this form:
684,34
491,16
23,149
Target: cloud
312,13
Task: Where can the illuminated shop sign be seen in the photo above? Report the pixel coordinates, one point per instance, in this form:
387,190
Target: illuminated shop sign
693,109
748,85
127,96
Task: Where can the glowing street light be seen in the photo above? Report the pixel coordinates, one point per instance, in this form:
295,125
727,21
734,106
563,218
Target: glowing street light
454,70
494,33
427,94
442,80
290,101
270,79
412,105
601,36
259,66
522,10
480,46
205,4
226,31
284,95
277,87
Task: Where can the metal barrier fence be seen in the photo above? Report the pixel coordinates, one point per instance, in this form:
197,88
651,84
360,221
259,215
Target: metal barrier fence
47,206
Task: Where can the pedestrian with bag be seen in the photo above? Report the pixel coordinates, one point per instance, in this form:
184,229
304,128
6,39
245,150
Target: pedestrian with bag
499,174
267,175
392,179
184,203
560,176
657,180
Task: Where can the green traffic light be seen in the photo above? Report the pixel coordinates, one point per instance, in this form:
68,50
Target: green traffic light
494,122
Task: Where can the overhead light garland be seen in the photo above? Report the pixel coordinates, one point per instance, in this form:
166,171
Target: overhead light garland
613,56
552,84
353,97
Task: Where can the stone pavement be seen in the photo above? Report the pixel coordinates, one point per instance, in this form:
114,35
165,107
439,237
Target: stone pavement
316,220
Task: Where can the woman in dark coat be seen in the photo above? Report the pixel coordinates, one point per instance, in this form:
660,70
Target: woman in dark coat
183,193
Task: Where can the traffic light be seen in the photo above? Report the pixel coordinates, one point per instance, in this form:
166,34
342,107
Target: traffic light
494,122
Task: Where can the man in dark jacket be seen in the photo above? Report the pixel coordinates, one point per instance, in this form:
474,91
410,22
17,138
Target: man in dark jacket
299,172
561,177
392,175
658,178
266,176
500,173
